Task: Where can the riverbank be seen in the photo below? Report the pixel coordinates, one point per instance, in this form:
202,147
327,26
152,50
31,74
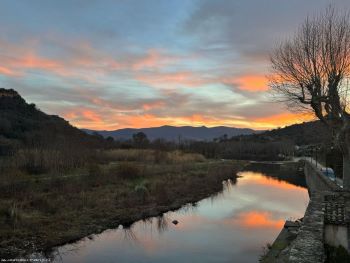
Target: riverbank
308,239
50,211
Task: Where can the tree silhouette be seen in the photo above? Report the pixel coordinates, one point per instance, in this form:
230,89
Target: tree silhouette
140,140
310,71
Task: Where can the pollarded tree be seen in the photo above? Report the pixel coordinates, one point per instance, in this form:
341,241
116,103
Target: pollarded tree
310,71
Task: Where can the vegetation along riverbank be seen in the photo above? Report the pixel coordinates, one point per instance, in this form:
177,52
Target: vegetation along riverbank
119,187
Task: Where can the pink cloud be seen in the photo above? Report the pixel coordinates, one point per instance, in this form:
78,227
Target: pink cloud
153,105
174,79
7,71
154,59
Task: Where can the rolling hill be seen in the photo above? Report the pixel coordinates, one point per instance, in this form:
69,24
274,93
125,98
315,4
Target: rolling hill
313,132
22,125
173,133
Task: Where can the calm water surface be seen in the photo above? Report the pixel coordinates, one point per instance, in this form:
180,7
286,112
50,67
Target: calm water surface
231,226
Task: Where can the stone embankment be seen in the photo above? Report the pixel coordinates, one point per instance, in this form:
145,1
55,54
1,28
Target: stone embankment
326,221
308,246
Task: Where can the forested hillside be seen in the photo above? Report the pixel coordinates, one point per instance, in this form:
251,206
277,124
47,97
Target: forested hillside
32,142
22,125
313,132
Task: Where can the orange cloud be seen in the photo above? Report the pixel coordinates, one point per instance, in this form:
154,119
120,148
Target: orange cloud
282,119
84,118
90,115
139,121
252,83
70,115
138,118
92,118
118,116
197,119
16,66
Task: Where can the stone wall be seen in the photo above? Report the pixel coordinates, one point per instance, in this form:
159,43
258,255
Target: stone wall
308,246
317,181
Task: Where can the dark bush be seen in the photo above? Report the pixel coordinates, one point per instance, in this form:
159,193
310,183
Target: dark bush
160,193
128,171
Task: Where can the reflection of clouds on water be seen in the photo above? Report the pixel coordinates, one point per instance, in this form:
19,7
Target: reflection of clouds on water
241,218
59,254
262,179
187,208
272,195
157,224
129,235
256,219
227,186
162,223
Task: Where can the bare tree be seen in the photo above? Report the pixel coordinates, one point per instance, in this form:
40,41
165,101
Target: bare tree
310,71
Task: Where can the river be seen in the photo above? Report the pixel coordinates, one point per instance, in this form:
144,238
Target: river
231,226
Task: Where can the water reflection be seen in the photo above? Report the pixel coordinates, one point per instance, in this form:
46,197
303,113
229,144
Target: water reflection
231,226
129,235
256,219
289,173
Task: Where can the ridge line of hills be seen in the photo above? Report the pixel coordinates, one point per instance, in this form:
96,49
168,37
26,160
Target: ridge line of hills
23,125
173,133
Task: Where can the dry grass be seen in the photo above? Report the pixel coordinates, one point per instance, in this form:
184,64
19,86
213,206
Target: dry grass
40,161
154,156
118,191
128,155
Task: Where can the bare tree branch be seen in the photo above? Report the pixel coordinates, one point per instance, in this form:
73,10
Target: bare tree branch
308,69
311,71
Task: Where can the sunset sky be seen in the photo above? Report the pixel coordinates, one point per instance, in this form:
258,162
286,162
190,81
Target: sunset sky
130,63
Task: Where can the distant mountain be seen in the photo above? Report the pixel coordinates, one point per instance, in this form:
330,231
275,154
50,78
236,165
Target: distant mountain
23,125
174,133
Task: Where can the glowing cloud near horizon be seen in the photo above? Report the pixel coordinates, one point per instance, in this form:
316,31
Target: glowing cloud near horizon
179,63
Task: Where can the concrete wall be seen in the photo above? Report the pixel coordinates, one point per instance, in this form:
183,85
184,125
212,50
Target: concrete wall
336,235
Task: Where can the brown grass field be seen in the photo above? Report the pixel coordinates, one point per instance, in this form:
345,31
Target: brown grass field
38,212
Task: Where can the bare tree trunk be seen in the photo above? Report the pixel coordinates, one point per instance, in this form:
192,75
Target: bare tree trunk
345,145
346,171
